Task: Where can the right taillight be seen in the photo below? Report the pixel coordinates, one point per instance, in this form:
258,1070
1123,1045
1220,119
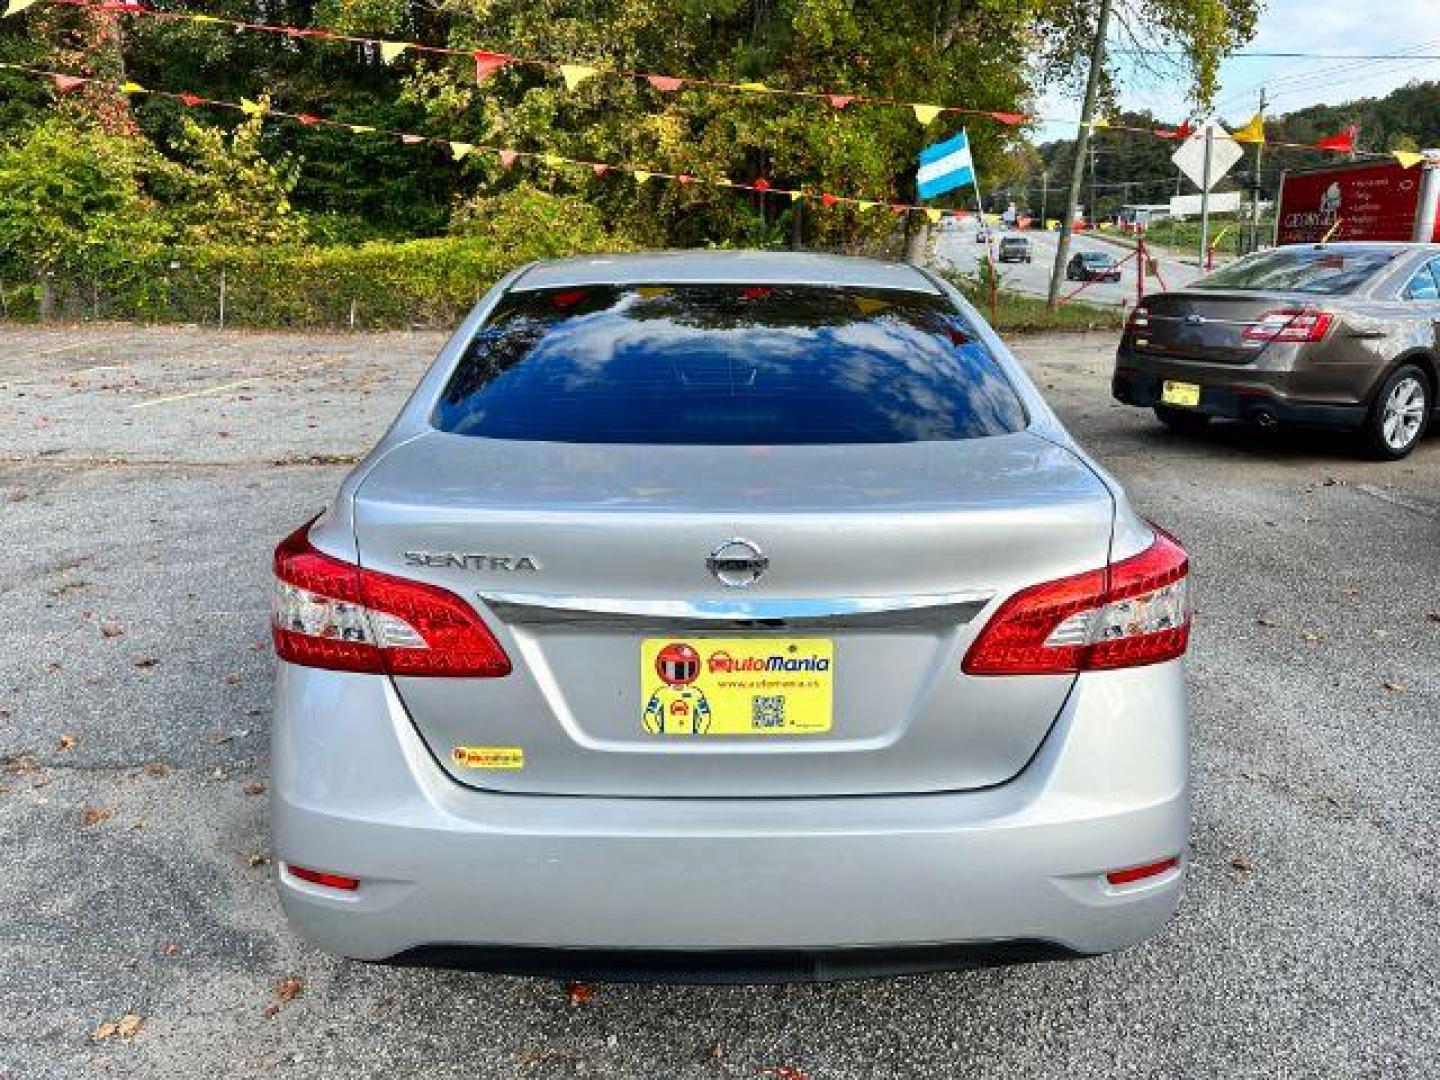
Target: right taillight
328,613
1297,325
1132,613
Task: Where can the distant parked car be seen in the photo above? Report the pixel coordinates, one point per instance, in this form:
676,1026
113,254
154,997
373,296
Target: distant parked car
1092,266
1014,249
982,235
1343,335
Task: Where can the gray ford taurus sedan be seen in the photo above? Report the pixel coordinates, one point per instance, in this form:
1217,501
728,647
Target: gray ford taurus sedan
717,616
1342,335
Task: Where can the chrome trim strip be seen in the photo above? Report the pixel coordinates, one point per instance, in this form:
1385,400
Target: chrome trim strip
538,609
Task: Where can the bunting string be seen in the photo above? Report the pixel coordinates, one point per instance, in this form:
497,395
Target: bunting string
575,74
506,156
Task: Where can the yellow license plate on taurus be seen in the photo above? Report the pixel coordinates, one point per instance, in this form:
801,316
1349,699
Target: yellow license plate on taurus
736,686
1180,393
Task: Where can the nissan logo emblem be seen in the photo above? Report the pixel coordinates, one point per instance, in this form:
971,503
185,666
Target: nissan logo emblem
737,563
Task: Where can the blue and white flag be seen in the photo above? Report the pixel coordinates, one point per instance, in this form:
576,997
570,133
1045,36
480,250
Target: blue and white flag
945,166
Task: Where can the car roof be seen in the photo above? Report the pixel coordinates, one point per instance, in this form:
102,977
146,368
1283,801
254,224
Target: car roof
724,268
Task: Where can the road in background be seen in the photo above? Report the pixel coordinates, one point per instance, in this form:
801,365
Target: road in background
956,246
145,477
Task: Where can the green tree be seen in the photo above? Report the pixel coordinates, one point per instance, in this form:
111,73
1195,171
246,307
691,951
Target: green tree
230,192
74,207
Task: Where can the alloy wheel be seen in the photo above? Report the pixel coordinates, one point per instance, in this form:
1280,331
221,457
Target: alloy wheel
1404,413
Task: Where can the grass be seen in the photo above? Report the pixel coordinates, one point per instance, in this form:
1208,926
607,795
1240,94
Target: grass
1234,233
1017,313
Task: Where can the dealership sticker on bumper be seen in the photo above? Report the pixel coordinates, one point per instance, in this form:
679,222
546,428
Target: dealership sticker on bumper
1180,393
488,757
736,686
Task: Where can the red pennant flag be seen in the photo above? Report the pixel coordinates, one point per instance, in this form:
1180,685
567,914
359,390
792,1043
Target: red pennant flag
507,157
308,119
761,185
192,100
959,213
685,178
1012,118
487,64
826,199
664,82
841,100
599,168
1182,132
897,208
411,140
1344,142
120,7
66,83
297,31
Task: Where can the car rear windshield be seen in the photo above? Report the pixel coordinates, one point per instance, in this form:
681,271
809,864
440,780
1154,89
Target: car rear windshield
727,365
1321,270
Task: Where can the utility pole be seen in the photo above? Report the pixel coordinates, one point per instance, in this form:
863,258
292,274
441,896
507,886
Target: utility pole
1205,194
1255,193
1082,144
1044,195
1094,214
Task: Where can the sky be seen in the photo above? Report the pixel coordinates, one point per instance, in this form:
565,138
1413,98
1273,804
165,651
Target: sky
1320,26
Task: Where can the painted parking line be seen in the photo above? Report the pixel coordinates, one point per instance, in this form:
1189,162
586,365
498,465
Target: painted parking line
223,387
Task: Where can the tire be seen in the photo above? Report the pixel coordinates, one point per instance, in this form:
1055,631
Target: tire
1185,421
1399,414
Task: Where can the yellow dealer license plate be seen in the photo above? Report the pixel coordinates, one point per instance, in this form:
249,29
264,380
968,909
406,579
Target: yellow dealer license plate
736,686
1180,393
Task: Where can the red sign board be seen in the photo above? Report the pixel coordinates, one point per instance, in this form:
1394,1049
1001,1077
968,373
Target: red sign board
1361,202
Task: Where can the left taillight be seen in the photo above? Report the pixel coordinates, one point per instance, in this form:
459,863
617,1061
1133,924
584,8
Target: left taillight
1133,612
328,613
1296,325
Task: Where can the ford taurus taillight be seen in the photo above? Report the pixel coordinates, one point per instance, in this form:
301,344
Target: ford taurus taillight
1134,612
328,613
1297,325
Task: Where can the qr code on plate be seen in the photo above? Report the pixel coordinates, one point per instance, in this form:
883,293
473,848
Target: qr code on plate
767,712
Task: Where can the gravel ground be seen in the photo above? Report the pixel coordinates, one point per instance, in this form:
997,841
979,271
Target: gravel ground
144,477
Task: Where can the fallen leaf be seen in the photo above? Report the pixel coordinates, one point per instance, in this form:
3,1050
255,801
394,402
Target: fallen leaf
790,1072
257,858
1394,687
1433,616
126,1028
232,679
65,742
271,1011
138,823
146,662
255,787
577,993
111,628
171,948
1268,620
157,769
1312,638
289,989
93,815
1242,864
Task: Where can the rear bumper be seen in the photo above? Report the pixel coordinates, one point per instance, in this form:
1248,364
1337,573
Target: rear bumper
1235,395
703,888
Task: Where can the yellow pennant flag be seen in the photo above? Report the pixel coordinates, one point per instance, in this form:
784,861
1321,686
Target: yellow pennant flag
1253,132
553,160
390,50
935,216
361,129
575,74
251,108
926,114
15,7
458,150
1099,122
205,19
1407,159
135,88
641,176
866,204
754,87
796,196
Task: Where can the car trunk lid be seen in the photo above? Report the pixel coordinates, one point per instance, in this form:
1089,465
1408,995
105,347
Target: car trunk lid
1206,326
589,560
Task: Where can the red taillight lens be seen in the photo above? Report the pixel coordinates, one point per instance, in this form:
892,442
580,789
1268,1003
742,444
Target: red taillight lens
1140,873
323,877
328,613
1289,324
1133,613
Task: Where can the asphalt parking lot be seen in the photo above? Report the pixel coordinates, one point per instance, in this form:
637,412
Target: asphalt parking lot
146,474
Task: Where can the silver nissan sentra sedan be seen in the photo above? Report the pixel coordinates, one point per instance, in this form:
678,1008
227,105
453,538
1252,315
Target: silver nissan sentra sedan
728,616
